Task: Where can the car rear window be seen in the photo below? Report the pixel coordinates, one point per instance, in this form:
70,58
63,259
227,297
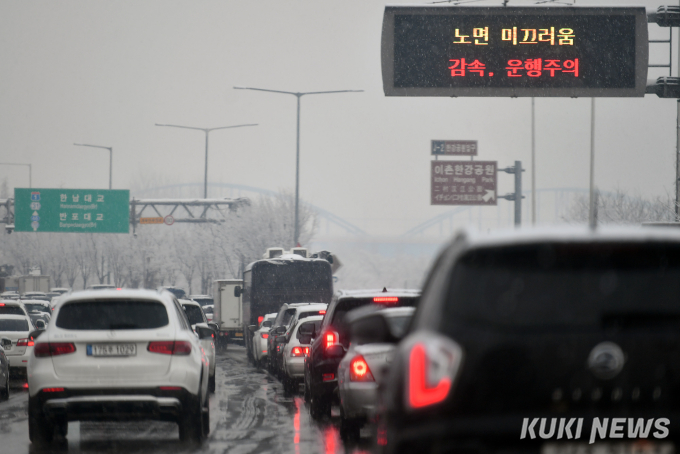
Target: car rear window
36,307
193,314
11,310
316,323
208,310
13,325
565,285
204,301
112,314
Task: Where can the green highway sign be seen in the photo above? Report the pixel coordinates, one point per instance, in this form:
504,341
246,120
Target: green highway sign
71,210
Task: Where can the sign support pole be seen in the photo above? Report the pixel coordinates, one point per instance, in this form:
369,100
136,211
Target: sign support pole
533,161
591,217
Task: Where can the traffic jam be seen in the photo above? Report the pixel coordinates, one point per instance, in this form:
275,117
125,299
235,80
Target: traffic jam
549,341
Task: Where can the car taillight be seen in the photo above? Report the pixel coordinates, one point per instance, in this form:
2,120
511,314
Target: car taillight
264,335
278,347
359,370
330,339
306,351
170,347
259,320
43,349
297,351
432,367
53,390
328,377
25,343
322,312
385,299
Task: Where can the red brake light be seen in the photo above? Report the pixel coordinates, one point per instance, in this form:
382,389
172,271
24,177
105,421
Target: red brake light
359,370
328,377
322,312
331,339
2,304
306,351
385,299
420,393
170,347
53,349
264,335
297,351
170,388
53,390
25,343
259,320
119,288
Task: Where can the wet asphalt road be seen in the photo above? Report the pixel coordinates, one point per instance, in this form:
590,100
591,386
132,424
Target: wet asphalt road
249,413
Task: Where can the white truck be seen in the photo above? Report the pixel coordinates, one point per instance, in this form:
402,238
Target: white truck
228,313
34,283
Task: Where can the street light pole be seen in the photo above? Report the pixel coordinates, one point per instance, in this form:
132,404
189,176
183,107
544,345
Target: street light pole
110,158
206,131
30,178
298,95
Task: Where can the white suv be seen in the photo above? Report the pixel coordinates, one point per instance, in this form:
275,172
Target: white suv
118,355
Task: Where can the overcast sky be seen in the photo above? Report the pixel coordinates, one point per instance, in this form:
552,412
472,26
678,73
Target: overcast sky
104,72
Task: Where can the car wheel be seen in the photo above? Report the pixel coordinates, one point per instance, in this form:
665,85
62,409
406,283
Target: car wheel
205,419
40,429
191,422
350,429
306,392
211,384
4,392
289,385
319,407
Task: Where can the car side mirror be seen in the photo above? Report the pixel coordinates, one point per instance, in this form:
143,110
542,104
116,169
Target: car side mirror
214,326
205,333
335,351
5,342
238,291
280,330
40,324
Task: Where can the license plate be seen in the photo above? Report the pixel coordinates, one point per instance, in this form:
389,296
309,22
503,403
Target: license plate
111,350
238,334
637,447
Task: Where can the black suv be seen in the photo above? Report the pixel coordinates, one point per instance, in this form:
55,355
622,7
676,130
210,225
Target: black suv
330,343
517,333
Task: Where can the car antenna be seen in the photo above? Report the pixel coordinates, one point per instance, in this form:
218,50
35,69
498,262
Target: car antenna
384,290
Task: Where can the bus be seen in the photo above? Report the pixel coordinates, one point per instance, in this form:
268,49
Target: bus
288,278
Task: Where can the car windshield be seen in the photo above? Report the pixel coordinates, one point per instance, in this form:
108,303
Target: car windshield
11,310
13,325
565,285
112,315
194,314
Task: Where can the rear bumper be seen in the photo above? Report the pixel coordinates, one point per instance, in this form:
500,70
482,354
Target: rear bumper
113,407
20,361
359,400
113,404
295,367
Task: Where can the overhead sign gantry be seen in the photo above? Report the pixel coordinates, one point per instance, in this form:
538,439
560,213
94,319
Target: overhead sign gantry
514,51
